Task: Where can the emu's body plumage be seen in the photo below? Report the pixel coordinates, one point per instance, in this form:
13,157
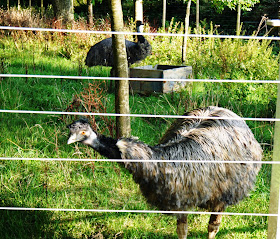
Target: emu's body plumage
177,186
102,52
180,186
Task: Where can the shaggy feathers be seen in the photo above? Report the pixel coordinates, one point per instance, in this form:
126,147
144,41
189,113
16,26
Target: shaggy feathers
179,186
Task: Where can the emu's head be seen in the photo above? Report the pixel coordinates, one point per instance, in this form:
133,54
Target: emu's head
81,131
139,26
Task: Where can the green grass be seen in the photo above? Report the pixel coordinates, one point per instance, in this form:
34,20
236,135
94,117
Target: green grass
104,185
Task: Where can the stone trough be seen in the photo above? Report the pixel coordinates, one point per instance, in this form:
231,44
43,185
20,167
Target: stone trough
162,72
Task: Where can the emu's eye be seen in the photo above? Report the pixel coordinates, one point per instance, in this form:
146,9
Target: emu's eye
83,132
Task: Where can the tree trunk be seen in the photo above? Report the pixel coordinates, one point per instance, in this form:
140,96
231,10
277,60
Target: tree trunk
64,10
120,70
30,5
18,4
90,13
139,10
164,14
42,7
185,38
278,16
197,16
8,4
238,20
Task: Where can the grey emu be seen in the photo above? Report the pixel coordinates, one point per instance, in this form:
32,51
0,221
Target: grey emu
180,186
102,53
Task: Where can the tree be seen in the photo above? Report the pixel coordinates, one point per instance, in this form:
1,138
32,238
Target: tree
246,5
139,10
163,14
197,15
185,39
238,21
239,5
120,69
64,10
90,13
42,7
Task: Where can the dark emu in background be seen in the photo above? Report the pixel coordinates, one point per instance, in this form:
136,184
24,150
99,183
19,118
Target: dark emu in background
101,54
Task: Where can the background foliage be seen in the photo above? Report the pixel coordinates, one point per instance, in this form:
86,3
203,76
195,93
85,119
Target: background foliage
176,9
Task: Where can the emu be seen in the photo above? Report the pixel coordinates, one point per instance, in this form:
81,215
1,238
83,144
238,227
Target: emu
102,53
178,186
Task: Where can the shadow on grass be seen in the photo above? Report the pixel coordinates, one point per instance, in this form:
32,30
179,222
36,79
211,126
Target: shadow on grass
44,224
25,224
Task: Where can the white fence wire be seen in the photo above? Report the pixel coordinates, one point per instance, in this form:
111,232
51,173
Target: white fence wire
139,211
140,161
276,81
138,33
140,79
133,115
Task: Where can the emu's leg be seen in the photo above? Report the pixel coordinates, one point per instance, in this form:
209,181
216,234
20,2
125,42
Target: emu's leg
215,220
213,226
182,226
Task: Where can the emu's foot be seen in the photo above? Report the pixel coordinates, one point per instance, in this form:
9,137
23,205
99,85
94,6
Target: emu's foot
212,231
213,226
182,227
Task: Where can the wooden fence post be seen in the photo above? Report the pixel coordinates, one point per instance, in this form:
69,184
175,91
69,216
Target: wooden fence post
275,178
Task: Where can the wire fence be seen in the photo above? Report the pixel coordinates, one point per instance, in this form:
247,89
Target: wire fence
276,81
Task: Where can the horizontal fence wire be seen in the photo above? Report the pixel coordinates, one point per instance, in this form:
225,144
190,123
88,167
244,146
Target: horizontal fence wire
137,115
137,211
139,79
138,33
140,161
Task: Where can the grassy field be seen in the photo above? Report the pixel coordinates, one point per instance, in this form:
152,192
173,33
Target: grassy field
104,185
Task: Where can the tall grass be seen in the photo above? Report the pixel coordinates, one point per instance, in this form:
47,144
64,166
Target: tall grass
107,185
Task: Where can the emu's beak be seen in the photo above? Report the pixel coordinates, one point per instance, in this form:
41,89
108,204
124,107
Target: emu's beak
72,139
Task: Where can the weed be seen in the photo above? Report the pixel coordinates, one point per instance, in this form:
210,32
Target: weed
92,100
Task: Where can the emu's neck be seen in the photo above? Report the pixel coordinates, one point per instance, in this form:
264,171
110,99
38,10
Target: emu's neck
106,146
141,39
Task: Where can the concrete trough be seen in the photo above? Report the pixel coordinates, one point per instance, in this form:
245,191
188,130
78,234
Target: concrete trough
162,72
